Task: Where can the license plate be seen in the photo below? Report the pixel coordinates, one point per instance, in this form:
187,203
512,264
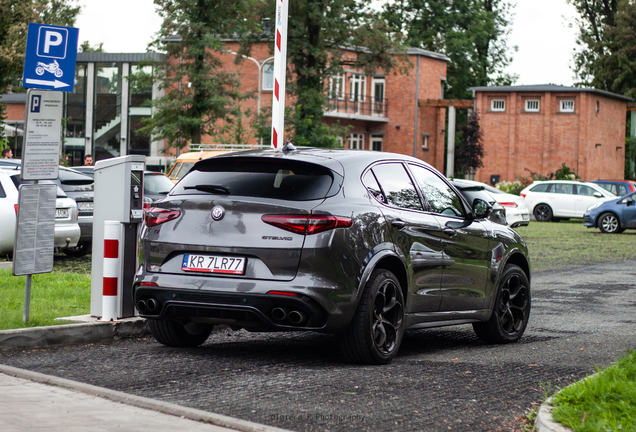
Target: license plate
525,217
85,206
213,264
61,213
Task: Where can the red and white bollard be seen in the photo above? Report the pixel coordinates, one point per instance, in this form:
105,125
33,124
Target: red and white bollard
112,232
280,69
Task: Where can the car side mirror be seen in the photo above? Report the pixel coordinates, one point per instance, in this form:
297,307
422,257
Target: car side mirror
629,201
598,195
481,209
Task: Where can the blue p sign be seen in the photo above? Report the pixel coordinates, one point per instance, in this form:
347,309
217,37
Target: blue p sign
36,100
52,42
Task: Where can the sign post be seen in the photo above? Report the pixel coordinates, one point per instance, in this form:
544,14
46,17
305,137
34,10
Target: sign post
280,70
49,64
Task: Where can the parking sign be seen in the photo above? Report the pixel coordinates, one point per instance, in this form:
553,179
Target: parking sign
51,53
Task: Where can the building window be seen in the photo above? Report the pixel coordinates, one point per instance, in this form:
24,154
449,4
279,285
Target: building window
378,97
566,105
425,141
268,75
356,141
532,105
357,86
336,87
498,105
376,142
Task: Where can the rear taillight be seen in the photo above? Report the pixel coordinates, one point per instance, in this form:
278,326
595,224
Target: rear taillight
156,216
147,202
15,206
307,224
523,195
509,204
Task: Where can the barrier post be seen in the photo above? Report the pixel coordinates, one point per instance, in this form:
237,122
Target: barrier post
112,232
280,70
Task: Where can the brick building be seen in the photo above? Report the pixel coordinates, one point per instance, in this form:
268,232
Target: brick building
381,110
540,127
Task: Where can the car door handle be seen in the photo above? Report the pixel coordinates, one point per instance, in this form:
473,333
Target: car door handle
398,223
450,232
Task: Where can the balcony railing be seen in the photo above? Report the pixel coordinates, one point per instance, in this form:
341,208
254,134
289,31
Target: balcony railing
356,105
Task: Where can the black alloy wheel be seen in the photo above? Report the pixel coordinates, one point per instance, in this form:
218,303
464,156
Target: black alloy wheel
543,213
511,310
174,334
375,333
608,223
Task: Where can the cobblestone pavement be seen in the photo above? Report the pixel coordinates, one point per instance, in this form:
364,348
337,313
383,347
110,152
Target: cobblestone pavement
443,379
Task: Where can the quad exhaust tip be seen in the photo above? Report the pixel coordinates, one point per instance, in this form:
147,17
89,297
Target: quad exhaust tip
149,305
294,317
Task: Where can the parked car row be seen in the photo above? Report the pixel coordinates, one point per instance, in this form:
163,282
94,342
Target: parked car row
76,194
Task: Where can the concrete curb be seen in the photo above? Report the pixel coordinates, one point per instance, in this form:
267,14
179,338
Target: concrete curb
71,334
544,422
6,265
141,402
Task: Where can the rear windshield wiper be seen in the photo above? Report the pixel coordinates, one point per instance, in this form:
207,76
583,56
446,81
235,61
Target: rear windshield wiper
215,189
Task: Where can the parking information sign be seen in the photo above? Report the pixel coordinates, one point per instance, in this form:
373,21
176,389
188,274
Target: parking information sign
51,53
42,135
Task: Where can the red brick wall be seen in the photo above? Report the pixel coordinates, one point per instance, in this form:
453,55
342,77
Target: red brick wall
15,112
517,142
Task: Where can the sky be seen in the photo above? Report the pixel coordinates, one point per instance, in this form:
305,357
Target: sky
540,29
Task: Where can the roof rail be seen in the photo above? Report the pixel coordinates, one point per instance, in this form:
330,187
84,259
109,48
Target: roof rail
233,147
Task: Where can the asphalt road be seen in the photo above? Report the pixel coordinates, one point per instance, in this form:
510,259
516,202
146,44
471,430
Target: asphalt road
443,379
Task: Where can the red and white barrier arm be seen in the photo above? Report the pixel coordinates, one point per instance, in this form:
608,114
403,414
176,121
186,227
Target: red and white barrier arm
112,232
280,69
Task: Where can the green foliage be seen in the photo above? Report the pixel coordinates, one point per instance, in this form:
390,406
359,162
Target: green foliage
514,187
603,402
86,47
318,30
470,154
14,18
472,33
565,173
630,158
199,93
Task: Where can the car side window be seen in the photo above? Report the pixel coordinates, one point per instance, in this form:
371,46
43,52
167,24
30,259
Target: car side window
3,194
373,187
540,188
397,186
441,198
563,188
584,190
621,190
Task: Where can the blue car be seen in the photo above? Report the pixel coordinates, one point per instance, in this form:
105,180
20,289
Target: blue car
612,216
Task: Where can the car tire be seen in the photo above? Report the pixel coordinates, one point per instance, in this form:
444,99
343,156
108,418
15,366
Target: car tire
543,213
82,249
511,310
609,223
375,332
174,334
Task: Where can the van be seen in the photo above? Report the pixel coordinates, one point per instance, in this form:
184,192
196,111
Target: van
186,161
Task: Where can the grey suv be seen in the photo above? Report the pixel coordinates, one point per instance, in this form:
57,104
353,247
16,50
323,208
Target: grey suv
358,243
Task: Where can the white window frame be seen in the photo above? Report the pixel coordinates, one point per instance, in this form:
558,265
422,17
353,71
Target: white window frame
498,105
425,140
566,105
265,65
532,105
336,86
356,141
361,81
375,139
378,102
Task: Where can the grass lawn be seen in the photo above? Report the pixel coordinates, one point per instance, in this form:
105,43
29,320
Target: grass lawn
64,292
603,402
556,244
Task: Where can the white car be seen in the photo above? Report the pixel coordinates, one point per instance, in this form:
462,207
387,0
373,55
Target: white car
552,200
517,213
67,230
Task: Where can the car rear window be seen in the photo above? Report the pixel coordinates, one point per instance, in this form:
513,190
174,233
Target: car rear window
257,177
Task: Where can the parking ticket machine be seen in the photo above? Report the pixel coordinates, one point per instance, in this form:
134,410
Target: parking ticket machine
118,197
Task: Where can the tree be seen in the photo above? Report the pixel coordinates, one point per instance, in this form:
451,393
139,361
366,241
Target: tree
472,33
318,31
199,94
470,154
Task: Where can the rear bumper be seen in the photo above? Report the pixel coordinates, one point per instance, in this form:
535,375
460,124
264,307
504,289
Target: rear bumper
64,232
253,311
86,227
